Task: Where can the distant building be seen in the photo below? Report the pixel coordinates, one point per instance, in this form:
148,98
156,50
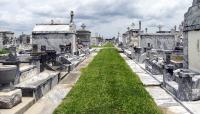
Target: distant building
24,42
54,36
165,40
6,38
112,40
24,39
83,36
131,38
96,41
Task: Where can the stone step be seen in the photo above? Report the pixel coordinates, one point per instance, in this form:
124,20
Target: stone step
165,101
48,103
39,85
128,53
148,80
26,103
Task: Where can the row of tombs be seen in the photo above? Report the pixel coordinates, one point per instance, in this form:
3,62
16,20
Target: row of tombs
34,75
179,66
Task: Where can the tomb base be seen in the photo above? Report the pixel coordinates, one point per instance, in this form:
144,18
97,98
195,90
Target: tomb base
10,99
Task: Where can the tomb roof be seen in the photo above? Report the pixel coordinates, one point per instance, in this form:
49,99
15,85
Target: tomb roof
156,34
52,28
6,31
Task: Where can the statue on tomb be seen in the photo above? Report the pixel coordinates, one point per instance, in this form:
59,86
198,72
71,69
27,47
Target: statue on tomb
196,2
72,17
192,17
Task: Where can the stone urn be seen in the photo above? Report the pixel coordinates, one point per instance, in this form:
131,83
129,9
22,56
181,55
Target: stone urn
7,75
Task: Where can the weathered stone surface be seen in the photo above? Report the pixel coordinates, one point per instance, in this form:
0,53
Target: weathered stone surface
26,103
195,2
10,99
165,101
158,41
39,85
192,17
27,72
185,50
184,84
6,35
154,67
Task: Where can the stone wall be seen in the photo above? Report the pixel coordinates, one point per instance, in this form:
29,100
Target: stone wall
194,50
1,41
158,41
94,41
53,41
6,38
27,72
84,37
191,37
185,50
131,38
192,18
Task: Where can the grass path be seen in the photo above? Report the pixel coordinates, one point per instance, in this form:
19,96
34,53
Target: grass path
108,86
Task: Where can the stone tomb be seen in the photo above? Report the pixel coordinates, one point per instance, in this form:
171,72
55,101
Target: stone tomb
9,97
155,62
184,83
39,85
137,54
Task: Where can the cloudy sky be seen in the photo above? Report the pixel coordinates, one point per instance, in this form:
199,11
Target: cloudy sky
107,17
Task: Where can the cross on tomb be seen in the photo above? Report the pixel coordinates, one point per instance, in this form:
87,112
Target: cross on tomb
83,26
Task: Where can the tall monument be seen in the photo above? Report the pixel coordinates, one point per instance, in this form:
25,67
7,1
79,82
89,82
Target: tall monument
72,17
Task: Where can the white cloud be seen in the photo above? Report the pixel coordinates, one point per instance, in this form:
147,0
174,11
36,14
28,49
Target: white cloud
106,16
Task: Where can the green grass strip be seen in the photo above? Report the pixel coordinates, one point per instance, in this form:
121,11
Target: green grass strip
108,44
108,86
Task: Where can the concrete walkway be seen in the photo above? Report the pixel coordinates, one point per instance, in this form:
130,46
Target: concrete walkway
146,79
165,101
48,103
194,106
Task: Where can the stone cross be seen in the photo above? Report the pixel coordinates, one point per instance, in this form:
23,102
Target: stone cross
83,26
